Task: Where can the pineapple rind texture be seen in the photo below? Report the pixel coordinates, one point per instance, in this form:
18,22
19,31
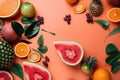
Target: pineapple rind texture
6,55
96,8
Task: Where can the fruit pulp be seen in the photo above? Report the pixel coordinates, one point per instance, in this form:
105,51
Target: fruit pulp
7,7
74,57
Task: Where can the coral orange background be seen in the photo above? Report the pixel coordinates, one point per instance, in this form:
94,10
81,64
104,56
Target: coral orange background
90,36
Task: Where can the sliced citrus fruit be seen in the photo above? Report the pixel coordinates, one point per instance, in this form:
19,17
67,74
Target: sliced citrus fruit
79,8
114,14
22,49
72,1
9,8
34,57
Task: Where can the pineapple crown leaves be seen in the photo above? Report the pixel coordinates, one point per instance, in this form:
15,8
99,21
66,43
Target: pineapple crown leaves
91,61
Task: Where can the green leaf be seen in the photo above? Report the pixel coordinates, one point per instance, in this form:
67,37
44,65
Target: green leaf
17,69
32,30
111,49
40,40
17,27
26,20
103,23
43,49
114,31
25,28
115,67
113,58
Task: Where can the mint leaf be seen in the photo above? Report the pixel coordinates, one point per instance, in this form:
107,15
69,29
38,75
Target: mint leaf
40,40
43,49
17,69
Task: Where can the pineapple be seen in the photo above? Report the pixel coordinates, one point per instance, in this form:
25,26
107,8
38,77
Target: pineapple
6,55
96,7
88,65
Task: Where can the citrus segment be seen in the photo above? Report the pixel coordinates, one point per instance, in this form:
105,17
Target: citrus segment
22,49
79,8
34,57
114,14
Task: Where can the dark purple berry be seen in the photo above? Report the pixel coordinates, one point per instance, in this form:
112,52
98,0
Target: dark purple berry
45,63
65,19
47,59
91,19
88,20
68,22
42,18
42,22
68,16
87,14
68,19
38,17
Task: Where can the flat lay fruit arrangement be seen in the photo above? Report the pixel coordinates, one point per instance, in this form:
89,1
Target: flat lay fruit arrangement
59,40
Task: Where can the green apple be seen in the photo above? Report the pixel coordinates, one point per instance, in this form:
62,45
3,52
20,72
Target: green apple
27,9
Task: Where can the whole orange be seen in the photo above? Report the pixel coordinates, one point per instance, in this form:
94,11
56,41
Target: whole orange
72,1
101,74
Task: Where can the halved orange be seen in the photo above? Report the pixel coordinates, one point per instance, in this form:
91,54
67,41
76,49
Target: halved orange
21,50
34,57
114,14
79,8
9,8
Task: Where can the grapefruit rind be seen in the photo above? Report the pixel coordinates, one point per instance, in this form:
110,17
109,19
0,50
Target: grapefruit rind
70,42
11,77
30,64
114,13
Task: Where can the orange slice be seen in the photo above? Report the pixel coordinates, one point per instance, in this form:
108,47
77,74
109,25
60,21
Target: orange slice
22,50
9,8
114,14
79,8
34,57
72,1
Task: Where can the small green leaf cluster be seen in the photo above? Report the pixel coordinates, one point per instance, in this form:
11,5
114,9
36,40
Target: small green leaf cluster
113,58
42,49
